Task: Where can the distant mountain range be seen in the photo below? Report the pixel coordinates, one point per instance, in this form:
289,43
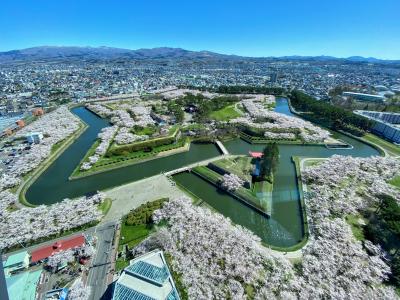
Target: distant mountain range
55,53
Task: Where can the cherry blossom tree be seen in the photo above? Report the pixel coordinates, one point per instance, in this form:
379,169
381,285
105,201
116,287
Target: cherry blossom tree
79,291
277,125
231,182
216,259
29,224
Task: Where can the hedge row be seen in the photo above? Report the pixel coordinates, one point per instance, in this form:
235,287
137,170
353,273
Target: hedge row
146,145
142,214
142,155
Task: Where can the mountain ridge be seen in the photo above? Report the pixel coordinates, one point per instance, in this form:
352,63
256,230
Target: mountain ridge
105,53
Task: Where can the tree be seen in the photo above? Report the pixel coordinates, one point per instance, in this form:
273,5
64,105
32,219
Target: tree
270,161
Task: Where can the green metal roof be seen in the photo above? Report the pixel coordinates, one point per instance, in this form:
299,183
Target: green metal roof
15,259
23,285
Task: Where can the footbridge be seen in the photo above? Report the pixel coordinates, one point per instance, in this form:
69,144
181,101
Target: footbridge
221,147
197,164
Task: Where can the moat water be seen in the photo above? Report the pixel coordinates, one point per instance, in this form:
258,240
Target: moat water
285,226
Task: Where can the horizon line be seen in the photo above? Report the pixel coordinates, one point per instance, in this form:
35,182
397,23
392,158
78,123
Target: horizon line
212,51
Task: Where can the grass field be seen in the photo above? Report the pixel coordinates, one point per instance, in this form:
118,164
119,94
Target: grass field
133,235
149,130
225,114
240,166
263,187
356,227
392,149
395,181
312,162
214,177
105,206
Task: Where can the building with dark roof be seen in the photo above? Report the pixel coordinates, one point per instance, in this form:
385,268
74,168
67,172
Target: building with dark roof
387,124
146,278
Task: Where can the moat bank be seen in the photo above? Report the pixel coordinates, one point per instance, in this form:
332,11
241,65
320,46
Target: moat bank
53,185
283,229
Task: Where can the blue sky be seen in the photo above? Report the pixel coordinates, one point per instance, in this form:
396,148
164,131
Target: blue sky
254,28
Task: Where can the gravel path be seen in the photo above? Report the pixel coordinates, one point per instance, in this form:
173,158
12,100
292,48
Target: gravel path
132,195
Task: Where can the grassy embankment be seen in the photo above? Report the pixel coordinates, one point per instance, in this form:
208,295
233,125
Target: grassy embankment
147,152
357,223
135,227
395,181
390,148
243,194
105,206
225,114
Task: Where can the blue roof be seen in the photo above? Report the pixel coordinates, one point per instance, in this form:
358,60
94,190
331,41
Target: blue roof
257,168
122,292
149,272
147,278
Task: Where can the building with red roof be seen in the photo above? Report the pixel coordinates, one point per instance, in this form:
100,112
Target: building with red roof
61,245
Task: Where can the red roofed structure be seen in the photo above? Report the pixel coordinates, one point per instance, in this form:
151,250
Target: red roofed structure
61,245
256,154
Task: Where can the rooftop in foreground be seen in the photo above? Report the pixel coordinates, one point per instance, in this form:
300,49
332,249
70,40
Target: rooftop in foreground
146,278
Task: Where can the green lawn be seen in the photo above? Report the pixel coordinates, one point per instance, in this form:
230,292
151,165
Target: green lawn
133,235
121,264
389,147
356,227
56,146
105,206
395,181
149,130
240,166
312,162
225,114
263,187
209,174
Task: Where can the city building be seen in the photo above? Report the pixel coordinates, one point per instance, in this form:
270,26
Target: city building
365,97
386,125
57,294
146,278
34,137
23,285
20,123
16,262
38,111
44,252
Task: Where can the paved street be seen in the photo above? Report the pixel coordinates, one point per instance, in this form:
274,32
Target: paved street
101,264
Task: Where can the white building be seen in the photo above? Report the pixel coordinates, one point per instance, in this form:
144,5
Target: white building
34,137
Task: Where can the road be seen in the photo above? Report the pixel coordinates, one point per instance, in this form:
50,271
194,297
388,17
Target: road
101,264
